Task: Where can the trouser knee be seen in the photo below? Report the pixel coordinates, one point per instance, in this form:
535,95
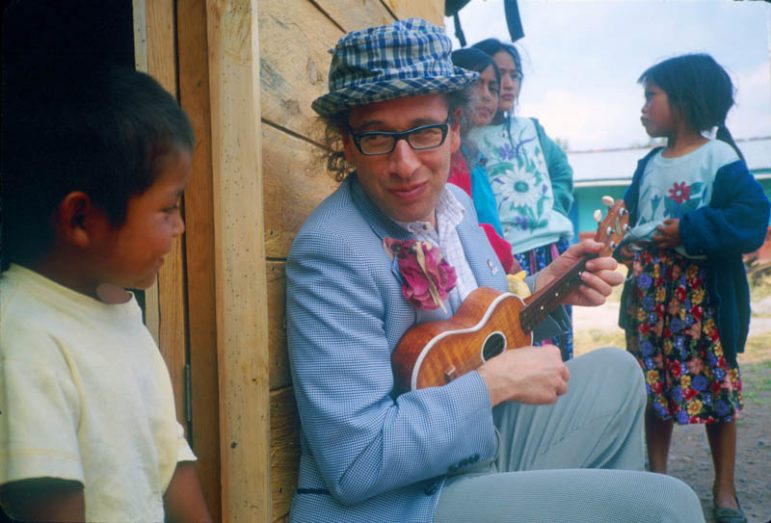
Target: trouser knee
621,375
678,502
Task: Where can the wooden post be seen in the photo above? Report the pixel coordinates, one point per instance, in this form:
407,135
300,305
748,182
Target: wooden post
193,64
165,301
239,259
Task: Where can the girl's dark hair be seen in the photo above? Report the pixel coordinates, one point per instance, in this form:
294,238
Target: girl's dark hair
493,46
102,130
699,89
335,126
474,60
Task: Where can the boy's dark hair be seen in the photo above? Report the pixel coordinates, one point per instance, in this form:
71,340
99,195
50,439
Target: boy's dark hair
699,89
493,46
105,131
336,125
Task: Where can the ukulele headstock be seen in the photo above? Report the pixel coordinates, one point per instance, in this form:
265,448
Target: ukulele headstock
613,226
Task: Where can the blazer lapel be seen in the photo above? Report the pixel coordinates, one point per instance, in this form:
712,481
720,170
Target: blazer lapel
381,225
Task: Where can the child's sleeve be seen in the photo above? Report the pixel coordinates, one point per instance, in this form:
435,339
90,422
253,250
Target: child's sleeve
560,171
39,412
735,221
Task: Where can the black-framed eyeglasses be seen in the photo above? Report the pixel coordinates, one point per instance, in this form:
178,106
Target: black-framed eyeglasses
421,138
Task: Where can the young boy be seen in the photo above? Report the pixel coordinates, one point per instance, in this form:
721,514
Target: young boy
94,164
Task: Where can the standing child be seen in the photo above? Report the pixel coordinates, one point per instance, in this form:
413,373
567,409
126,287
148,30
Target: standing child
529,175
695,208
94,165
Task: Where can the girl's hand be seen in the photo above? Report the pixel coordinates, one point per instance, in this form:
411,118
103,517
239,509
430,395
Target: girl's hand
668,235
626,255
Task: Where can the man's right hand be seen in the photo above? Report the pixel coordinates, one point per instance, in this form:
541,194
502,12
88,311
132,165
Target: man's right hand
535,375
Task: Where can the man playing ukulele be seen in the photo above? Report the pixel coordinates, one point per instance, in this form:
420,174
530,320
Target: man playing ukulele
524,437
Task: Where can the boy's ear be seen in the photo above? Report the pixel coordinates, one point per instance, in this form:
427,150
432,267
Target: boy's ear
78,219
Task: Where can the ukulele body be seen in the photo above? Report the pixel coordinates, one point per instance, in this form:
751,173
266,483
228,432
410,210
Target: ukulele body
434,353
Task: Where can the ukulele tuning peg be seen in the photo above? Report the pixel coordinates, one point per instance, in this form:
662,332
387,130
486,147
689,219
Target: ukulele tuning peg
626,227
609,231
607,200
597,216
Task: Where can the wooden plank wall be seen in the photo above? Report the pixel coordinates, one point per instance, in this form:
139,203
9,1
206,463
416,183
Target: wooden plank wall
257,174
294,40
193,64
165,311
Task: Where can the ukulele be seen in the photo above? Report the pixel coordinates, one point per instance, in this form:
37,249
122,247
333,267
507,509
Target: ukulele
489,321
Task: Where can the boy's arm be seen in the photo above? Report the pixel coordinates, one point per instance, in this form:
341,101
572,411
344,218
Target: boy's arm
183,500
44,499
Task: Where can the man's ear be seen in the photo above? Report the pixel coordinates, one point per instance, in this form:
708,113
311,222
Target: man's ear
455,130
348,147
77,219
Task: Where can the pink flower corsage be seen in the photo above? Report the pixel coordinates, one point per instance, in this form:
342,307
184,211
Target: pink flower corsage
427,278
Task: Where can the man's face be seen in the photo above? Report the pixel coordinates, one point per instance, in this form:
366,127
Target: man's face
405,184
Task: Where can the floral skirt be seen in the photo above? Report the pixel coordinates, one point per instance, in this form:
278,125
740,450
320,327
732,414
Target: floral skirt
672,330
533,261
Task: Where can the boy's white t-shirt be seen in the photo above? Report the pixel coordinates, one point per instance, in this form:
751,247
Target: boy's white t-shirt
85,395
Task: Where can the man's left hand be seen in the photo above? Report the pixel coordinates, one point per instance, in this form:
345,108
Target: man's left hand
597,280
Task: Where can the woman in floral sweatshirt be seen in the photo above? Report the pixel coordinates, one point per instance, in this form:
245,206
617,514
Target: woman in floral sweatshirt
529,175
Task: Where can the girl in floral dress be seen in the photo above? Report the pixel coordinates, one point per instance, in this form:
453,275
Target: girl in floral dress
695,209
530,177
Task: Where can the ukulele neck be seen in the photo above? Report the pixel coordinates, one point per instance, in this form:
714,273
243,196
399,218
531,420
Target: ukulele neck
546,300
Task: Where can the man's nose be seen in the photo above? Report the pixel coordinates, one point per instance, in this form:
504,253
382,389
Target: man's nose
403,159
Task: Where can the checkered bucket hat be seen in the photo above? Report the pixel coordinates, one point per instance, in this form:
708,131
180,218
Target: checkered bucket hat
407,58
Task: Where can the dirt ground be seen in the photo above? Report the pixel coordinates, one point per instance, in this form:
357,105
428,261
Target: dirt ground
690,458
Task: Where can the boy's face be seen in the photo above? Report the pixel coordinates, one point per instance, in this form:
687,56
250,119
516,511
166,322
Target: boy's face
130,256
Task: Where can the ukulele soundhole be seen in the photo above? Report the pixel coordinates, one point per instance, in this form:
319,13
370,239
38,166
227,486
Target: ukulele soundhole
494,344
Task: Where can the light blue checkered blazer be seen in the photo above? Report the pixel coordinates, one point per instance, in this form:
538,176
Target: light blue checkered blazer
367,455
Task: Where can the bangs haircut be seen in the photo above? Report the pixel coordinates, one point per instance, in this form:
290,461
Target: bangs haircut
493,46
697,86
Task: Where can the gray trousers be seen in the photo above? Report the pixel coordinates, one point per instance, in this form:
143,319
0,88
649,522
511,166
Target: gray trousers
579,460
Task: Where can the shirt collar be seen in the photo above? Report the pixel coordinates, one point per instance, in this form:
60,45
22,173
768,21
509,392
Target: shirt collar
449,213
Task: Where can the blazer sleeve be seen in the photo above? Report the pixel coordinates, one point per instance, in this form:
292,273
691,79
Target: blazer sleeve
560,171
736,219
365,440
